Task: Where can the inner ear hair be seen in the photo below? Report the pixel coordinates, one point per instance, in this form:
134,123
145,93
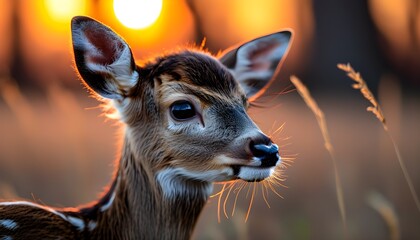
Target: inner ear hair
103,59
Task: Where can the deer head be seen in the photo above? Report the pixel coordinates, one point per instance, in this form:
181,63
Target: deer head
185,112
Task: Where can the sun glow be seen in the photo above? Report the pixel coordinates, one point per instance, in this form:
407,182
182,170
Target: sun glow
137,14
64,10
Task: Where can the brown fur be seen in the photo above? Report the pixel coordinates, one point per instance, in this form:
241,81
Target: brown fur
166,169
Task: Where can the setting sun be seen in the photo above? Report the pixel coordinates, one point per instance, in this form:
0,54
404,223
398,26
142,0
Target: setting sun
137,14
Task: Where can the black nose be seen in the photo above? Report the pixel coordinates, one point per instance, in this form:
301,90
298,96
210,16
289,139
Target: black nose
268,153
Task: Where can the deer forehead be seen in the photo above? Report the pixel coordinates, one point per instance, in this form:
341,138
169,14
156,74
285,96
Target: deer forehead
198,74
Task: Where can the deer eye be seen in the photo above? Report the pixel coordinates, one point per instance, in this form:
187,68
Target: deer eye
182,110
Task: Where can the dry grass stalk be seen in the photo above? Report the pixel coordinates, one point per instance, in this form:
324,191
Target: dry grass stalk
362,86
385,209
376,110
304,93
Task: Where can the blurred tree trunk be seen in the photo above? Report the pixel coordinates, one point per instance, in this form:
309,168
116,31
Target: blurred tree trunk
344,33
18,70
199,35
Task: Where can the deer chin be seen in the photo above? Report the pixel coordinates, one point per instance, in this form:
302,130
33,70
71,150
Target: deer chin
252,173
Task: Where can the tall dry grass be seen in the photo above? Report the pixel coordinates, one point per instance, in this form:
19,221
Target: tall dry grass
375,200
377,111
378,202
322,122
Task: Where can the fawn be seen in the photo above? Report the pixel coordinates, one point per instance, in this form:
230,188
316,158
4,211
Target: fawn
185,127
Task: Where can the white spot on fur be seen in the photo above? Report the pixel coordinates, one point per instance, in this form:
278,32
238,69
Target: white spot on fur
9,224
24,203
77,222
6,238
74,221
109,203
92,225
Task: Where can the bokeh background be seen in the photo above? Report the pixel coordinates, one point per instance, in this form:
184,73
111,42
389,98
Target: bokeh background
56,148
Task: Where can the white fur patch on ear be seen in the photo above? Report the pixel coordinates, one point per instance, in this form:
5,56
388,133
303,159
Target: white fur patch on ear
254,63
120,70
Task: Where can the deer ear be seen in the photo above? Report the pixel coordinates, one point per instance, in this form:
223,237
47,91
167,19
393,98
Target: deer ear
254,63
103,59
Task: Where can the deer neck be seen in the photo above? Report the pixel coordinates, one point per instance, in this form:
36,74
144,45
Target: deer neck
138,207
